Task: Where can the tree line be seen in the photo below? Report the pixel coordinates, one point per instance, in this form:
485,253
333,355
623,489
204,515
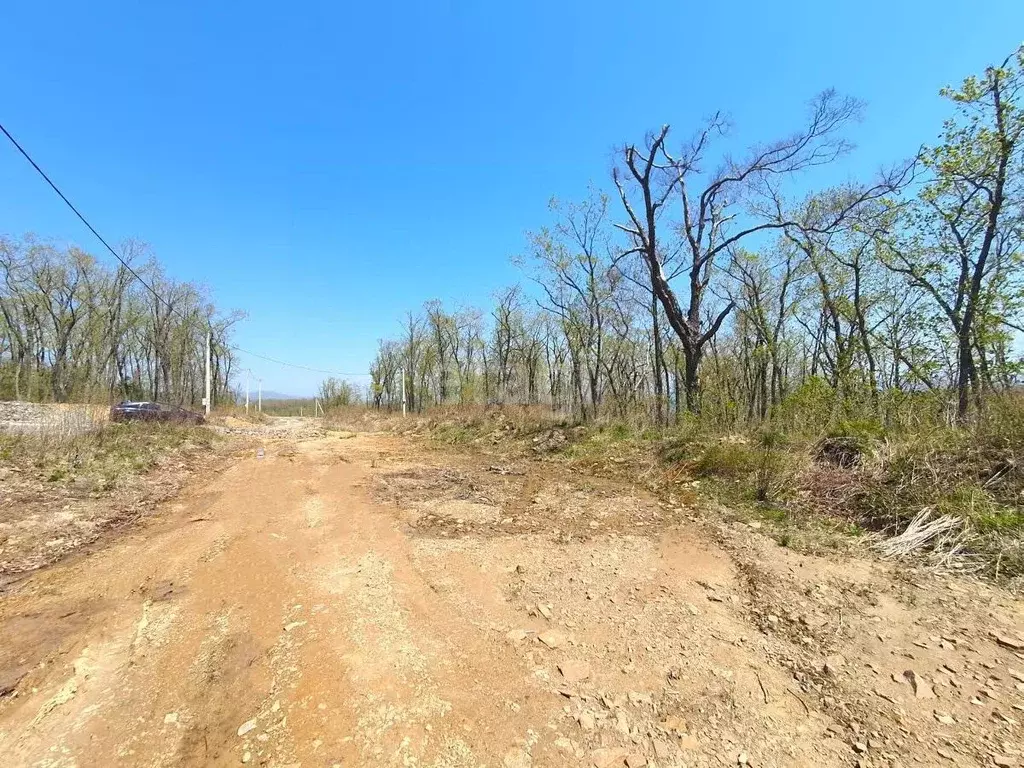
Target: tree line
74,329
700,282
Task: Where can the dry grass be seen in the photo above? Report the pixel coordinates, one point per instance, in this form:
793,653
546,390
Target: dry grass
63,487
951,497
96,456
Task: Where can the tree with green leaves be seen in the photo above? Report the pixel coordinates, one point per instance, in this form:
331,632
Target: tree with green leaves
961,239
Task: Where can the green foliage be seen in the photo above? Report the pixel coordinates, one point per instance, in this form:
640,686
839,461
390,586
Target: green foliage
75,330
731,458
338,393
103,457
771,471
864,430
456,433
808,407
617,431
679,448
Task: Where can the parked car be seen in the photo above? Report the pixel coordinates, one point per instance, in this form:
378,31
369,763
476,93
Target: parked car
147,411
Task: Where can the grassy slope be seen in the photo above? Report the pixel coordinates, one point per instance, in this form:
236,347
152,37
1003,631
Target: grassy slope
858,482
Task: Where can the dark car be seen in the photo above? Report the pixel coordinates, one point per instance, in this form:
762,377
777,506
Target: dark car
147,411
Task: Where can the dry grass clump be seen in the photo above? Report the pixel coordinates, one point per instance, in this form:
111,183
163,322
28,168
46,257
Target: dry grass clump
98,456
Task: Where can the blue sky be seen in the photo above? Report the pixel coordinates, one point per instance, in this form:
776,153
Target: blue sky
326,166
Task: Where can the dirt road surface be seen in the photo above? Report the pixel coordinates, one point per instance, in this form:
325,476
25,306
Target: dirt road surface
360,601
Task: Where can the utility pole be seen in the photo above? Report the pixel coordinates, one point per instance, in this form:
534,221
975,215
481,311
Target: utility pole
207,399
403,391
247,372
260,395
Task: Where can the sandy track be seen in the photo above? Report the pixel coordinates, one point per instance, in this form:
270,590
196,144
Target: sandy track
279,614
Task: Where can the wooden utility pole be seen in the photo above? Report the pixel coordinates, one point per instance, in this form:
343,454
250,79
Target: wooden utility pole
207,399
247,372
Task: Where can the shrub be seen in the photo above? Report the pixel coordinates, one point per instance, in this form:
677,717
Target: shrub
730,457
773,463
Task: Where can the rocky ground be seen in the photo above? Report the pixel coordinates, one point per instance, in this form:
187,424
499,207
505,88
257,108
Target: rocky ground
371,600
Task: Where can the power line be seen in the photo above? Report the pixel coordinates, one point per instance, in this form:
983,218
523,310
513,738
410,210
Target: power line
77,213
137,276
293,365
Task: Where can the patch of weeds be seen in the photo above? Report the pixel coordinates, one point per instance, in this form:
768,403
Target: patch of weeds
849,443
679,449
852,529
106,454
771,471
999,519
730,458
456,432
617,431
772,514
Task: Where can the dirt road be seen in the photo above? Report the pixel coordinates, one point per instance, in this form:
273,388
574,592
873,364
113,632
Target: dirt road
356,601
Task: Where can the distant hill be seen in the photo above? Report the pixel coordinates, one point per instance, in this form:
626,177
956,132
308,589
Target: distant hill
269,394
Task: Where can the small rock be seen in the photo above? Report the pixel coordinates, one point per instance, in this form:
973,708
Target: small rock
944,718
170,718
922,690
860,747
516,758
551,638
574,670
1004,761
246,756
834,663
516,635
1014,644
636,760
773,619
293,625
247,726
673,724
606,757
622,723
587,721
742,758
686,741
545,610
662,749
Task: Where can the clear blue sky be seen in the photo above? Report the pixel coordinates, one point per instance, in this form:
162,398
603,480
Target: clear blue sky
326,166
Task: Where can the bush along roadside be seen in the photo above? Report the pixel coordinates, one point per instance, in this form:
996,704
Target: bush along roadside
954,497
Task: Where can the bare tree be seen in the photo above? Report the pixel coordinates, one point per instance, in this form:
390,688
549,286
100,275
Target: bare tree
712,205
